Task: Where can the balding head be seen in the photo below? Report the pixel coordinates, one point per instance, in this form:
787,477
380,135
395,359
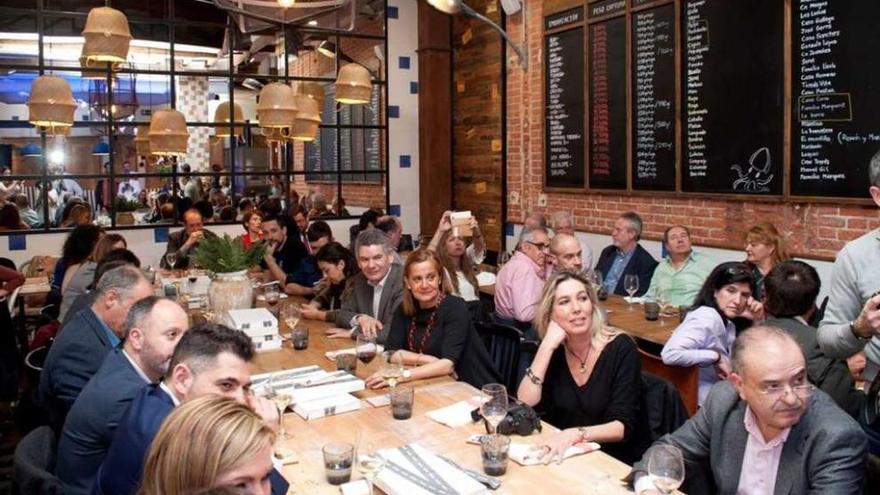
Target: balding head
118,289
152,328
567,253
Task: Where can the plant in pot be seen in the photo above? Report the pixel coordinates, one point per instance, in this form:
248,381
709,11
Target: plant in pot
124,209
229,260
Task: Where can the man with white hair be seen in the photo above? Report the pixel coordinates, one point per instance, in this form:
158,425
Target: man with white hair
563,223
520,281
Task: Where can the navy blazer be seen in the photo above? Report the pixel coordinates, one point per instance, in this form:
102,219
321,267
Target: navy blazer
73,359
92,421
120,474
641,264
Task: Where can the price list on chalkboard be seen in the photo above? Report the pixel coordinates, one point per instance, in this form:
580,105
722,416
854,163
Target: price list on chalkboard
564,103
653,109
607,115
836,121
733,96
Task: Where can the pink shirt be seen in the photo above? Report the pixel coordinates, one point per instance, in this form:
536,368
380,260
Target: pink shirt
761,459
518,287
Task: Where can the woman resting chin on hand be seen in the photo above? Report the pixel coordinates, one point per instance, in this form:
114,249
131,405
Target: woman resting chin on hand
585,376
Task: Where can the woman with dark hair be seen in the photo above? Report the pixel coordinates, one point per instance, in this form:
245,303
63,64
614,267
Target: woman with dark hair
459,260
706,335
338,267
251,221
432,330
79,245
78,283
10,218
76,212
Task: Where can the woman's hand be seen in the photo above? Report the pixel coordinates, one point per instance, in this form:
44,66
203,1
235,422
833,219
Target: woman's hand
311,313
723,367
445,223
754,310
554,447
555,335
375,381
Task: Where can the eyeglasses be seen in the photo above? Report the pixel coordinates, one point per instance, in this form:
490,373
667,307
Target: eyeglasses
777,391
738,270
540,245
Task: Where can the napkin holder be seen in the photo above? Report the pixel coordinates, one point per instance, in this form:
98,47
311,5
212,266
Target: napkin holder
259,324
414,470
327,406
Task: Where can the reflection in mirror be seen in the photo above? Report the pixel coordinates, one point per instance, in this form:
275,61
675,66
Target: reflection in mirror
362,195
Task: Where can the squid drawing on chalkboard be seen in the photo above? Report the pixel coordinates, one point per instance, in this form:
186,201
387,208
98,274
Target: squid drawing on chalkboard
758,175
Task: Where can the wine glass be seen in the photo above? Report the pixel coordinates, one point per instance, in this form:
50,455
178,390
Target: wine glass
280,397
662,297
631,286
393,369
366,348
272,295
494,405
595,278
171,260
666,467
369,463
291,315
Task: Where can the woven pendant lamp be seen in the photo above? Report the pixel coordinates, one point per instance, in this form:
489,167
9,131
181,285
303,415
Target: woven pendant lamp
142,141
92,70
353,85
168,134
222,120
107,36
273,134
277,106
305,125
51,105
314,91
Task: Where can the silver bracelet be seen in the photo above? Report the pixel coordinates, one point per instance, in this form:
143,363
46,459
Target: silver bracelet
533,377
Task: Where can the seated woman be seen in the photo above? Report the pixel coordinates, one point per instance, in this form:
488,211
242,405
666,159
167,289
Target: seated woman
338,266
84,275
10,218
459,261
251,221
432,330
208,442
765,248
585,377
706,335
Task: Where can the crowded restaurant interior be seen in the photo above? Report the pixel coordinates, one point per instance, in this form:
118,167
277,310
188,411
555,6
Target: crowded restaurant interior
439,247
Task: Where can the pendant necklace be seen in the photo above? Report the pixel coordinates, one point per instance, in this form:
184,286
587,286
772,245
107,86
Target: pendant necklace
583,362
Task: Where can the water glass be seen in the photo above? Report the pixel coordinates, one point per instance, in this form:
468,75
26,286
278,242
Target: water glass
338,461
346,362
402,402
494,449
666,467
652,310
300,338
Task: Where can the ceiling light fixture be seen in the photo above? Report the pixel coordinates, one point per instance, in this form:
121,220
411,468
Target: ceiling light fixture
168,134
458,6
107,37
353,85
51,104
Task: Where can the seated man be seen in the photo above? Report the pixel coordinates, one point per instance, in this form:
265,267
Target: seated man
283,257
520,281
625,256
152,329
563,223
183,242
209,359
790,292
680,275
319,235
392,227
85,341
376,291
300,217
565,254
767,430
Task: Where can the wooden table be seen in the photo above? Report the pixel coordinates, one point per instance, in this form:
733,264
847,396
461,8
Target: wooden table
596,472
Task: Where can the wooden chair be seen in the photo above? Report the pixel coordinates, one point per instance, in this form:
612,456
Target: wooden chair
685,379
510,351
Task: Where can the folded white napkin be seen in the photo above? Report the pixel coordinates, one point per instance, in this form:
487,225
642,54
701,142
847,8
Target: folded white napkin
357,487
485,278
524,455
634,299
458,414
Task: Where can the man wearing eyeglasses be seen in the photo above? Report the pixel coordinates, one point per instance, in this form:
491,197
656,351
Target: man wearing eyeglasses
519,282
625,256
767,430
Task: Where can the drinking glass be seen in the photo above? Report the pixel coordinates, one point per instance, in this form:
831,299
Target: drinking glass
595,278
401,402
494,405
662,297
666,467
369,463
366,348
338,458
171,260
494,449
393,369
631,286
281,398
272,295
291,315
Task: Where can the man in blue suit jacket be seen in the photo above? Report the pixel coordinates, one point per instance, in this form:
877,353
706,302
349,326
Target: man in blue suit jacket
82,344
209,359
152,329
626,257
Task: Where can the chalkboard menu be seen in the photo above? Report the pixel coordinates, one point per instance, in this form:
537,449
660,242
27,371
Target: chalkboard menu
607,113
836,96
564,102
653,94
733,96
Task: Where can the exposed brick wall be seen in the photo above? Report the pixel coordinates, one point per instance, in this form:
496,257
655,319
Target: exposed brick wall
812,230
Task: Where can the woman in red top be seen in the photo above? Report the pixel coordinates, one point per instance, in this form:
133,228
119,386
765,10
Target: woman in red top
251,221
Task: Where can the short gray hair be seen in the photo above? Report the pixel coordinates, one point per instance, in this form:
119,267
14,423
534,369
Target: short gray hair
635,220
562,216
874,170
372,237
755,338
122,279
140,312
528,235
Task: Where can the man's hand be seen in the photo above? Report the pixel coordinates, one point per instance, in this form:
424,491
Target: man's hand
338,333
193,239
856,364
868,322
370,326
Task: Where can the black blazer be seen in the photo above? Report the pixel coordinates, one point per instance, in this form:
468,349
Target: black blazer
641,264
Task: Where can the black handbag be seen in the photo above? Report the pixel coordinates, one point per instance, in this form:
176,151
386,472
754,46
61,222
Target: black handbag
521,419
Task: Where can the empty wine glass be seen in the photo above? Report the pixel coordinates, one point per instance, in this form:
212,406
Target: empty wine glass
666,467
494,405
281,398
662,297
369,463
171,260
595,278
631,286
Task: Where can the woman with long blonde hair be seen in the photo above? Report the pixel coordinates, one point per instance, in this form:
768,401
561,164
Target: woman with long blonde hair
586,376
207,442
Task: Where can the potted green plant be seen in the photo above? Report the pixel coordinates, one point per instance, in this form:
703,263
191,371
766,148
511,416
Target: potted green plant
123,208
229,260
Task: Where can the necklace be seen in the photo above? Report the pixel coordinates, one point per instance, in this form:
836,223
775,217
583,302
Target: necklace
429,327
583,362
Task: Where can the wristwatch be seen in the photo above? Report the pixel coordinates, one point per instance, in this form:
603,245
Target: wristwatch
852,328
406,375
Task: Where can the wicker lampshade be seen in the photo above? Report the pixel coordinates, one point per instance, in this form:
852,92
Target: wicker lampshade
51,103
107,36
168,134
142,141
221,118
305,125
353,85
313,90
273,134
277,107
92,70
